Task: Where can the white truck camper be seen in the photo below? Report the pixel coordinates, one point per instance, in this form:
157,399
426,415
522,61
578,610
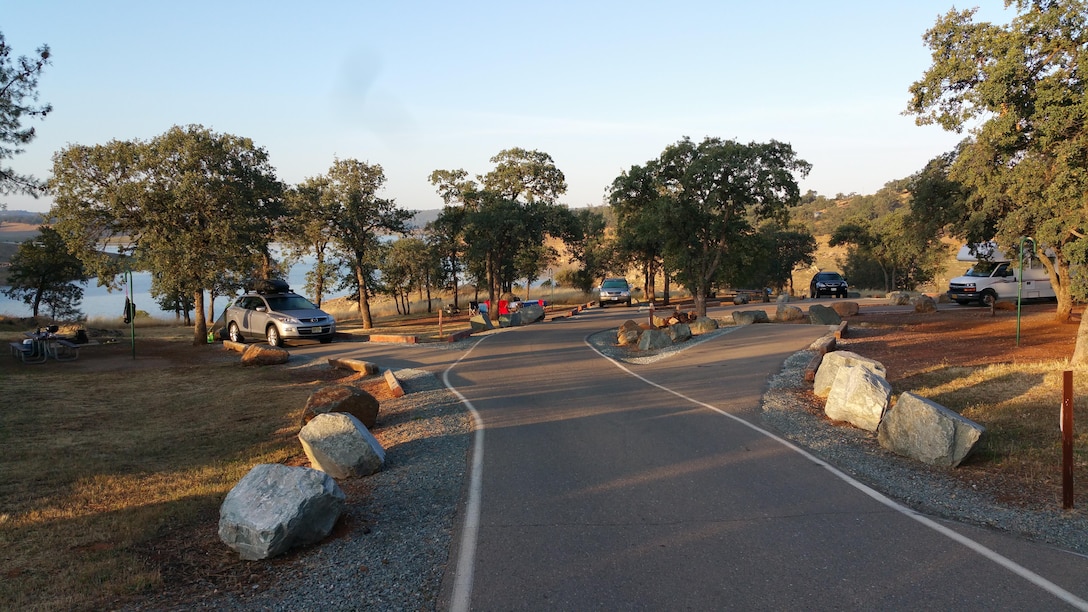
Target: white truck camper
995,277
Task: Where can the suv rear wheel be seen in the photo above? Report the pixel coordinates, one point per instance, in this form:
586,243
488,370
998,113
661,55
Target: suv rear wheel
234,333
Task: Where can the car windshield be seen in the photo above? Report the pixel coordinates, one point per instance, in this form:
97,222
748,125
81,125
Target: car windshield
831,276
986,268
289,302
614,284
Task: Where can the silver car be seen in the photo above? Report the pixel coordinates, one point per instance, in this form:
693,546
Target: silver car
615,291
278,317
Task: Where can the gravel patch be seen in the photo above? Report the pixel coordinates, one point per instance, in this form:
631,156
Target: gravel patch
927,489
391,545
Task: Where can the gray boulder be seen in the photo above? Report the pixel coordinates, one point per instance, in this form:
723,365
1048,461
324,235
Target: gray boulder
702,325
339,445
276,507
858,396
786,312
480,322
829,369
342,398
531,313
510,320
262,355
898,298
680,332
823,315
654,339
628,336
923,304
924,430
782,298
740,299
748,317
845,308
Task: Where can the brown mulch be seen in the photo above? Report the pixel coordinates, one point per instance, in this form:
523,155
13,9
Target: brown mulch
908,342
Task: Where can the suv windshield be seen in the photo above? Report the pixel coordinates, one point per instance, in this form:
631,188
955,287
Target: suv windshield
828,276
613,283
289,302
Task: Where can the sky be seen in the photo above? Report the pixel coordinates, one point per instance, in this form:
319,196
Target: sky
417,86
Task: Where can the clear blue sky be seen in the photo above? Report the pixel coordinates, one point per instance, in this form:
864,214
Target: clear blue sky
419,86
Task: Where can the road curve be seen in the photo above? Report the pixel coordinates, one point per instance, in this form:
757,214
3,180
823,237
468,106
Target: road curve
653,487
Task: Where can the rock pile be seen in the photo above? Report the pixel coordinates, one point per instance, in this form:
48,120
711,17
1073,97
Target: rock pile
277,507
857,393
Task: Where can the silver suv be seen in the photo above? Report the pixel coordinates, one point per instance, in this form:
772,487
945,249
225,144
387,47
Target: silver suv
278,316
615,291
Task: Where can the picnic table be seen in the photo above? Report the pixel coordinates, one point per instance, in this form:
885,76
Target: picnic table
42,344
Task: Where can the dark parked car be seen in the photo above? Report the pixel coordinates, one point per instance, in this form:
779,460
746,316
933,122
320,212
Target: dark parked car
276,316
615,291
827,283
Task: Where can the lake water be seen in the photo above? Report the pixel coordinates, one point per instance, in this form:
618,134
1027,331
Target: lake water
98,302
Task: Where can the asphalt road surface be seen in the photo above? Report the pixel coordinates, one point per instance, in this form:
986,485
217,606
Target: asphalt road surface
600,486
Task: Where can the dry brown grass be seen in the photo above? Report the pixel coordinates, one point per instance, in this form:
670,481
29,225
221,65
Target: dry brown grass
96,464
1019,405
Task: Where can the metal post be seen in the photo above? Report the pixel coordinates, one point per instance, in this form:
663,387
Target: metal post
1067,440
132,317
1020,283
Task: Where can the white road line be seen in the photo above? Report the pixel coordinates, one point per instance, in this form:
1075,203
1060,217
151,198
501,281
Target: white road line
992,555
461,597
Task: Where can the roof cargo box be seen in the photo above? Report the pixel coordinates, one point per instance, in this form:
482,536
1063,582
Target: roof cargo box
269,285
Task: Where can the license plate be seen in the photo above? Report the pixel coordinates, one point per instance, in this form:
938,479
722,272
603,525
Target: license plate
308,330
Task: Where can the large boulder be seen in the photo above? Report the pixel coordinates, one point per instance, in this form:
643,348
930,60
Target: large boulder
845,308
680,332
658,321
924,430
480,322
898,298
628,333
262,355
531,313
858,396
654,339
786,312
782,298
702,325
822,315
829,369
748,317
276,507
342,398
923,304
340,445
510,320
740,299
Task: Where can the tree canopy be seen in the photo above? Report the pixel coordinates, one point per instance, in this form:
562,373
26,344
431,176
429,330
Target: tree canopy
707,198
187,205
1020,89
44,273
18,101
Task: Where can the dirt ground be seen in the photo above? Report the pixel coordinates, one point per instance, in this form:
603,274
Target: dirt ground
907,342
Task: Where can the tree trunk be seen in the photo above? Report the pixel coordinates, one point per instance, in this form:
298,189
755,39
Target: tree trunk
1080,353
200,330
700,299
364,303
665,294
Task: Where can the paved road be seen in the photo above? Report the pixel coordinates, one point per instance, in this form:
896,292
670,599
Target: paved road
653,487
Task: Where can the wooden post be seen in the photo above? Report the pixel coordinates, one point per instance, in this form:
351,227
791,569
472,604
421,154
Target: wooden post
1067,440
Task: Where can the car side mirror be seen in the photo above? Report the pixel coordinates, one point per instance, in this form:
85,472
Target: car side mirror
260,309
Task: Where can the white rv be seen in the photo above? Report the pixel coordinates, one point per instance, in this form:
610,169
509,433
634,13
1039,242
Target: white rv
995,277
